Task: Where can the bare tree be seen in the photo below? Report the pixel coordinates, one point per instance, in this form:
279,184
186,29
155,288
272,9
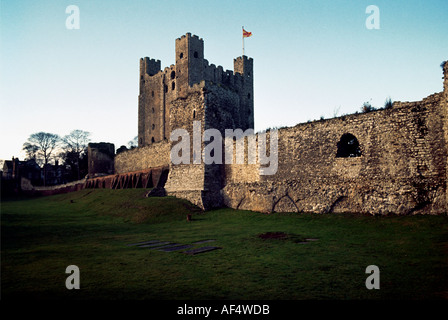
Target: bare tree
42,145
31,151
75,146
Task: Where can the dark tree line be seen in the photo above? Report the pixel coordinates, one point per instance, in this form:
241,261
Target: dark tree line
45,147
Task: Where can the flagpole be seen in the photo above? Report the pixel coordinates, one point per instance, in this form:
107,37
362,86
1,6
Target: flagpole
242,33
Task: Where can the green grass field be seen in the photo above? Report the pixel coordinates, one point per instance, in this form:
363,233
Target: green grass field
91,229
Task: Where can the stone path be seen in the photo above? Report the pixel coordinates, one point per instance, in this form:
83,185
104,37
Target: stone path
167,246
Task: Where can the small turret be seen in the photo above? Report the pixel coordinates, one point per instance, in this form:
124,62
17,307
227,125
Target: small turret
149,66
244,66
189,60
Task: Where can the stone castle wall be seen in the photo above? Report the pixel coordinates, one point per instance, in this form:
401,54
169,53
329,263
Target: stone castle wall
156,155
216,107
444,106
402,168
187,180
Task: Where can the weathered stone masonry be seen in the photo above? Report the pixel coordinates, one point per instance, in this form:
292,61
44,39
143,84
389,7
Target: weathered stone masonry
101,158
156,155
386,161
401,169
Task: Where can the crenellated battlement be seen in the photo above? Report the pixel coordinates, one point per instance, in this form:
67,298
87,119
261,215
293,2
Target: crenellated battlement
189,35
211,72
149,66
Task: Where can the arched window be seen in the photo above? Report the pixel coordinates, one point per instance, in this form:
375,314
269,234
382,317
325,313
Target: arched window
152,140
173,75
194,114
348,146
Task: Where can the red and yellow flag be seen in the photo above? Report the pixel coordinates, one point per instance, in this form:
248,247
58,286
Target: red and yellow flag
246,34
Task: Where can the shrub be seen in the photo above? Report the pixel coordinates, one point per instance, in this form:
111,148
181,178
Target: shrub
388,103
367,107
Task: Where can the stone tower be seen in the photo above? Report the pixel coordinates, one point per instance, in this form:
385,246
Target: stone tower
245,67
159,89
194,90
101,158
189,60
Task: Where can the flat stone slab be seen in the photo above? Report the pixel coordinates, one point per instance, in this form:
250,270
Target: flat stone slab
308,240
201,250
204,241
169,245
153,245
175,248
144,242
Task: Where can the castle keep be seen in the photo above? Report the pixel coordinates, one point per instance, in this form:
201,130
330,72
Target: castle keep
159,90
391,160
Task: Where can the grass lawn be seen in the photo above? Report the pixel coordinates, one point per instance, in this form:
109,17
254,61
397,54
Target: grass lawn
91,229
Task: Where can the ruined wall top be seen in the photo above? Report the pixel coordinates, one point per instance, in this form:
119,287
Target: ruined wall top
445,76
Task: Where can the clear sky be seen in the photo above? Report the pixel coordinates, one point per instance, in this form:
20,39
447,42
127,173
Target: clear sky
311,58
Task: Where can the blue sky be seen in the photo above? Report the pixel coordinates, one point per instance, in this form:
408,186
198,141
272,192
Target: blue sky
311,59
